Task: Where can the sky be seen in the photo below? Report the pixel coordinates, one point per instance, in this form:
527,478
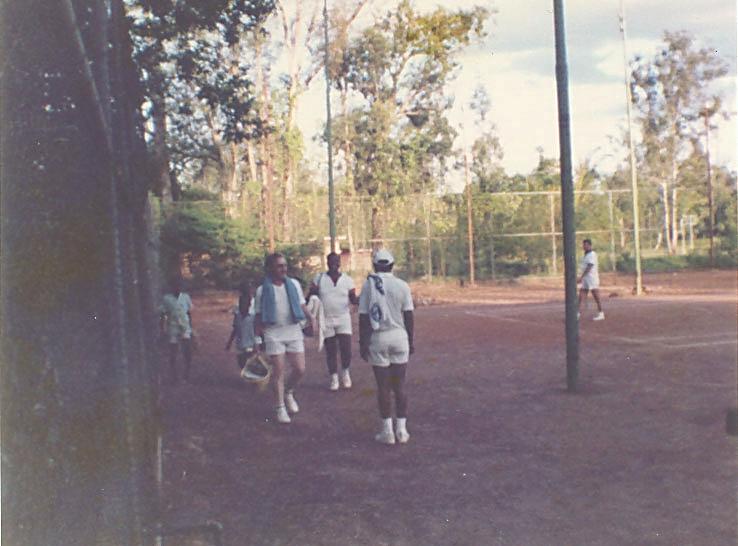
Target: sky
515,64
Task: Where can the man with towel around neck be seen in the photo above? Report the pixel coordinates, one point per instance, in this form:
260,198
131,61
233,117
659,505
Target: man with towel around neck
386,342
280,309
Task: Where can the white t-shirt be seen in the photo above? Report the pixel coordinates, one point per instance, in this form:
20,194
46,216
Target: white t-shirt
283,329
335,297
399,300
590,258
176,310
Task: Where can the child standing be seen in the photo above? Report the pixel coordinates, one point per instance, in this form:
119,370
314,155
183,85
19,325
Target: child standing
247,343
175,326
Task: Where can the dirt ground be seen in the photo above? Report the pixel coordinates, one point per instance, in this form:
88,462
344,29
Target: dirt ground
500,453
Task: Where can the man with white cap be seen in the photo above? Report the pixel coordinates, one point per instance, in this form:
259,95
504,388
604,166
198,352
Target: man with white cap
386,341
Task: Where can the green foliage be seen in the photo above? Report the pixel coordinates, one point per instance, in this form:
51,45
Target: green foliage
218,251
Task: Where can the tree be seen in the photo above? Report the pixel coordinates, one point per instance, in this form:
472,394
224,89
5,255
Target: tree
400,66
192,50
670,91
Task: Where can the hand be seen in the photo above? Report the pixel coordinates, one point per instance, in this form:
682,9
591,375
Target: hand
228,347
364,352
412,349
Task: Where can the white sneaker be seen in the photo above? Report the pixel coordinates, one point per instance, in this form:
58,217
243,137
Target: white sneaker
385,437
334,382
403,436
346,379
291,403
282,416
599,316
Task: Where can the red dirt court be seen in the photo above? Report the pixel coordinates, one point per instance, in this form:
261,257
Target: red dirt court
500,453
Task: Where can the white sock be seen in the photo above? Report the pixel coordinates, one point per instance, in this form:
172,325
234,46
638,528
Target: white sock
402,424
387,425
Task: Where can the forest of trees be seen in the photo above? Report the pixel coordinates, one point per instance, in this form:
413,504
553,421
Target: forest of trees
223,82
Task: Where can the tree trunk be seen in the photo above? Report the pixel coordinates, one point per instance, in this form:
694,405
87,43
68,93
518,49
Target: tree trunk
164,183
667,221
674,219
376,227
267,172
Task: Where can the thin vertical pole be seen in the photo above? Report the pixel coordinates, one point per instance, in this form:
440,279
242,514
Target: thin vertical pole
567,200
710,199
554,251
631,147
469,220
329,134
612,230
429,243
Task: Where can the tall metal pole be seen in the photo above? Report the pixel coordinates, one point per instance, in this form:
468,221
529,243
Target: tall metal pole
710,198
329,134
631,147
567,200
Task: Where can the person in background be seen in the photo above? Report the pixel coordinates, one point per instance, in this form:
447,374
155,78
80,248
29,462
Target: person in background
247,342
175,326
590,279
280,309
336,292
386,330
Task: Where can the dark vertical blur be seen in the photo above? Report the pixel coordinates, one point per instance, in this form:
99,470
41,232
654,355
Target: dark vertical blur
79,390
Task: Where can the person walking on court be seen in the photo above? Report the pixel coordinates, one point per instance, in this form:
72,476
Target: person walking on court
386,327
280,309
244,317
590,279
336,292
175,327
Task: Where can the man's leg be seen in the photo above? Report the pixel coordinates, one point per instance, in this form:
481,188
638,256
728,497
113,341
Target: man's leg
582,298
331,354
384,390
278,365
596,296
344,343
297,363
397,383
187,355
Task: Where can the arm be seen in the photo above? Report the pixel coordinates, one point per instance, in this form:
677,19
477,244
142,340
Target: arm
353,298
312,291
409,320
365,335
258,326
586,270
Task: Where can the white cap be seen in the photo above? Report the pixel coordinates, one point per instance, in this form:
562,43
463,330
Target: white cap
383,256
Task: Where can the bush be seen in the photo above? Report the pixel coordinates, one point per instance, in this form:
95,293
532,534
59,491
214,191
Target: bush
220,252
665,264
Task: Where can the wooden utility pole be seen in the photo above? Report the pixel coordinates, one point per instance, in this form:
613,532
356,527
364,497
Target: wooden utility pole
567,200
329,134
631,149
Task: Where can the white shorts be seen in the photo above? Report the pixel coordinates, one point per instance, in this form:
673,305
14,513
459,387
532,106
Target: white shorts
276,347
337,325
389,347
590,284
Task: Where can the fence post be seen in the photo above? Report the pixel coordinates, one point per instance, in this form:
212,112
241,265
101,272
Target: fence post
426,206
554,253
612,231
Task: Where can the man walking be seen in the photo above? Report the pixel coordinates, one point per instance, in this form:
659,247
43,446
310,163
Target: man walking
280,308
336,292
386,341
590,279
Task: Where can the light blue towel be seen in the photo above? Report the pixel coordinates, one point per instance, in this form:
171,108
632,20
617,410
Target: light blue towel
268,303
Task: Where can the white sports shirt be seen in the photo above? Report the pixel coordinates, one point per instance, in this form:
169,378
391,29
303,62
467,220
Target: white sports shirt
335,297
594,275
398,297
